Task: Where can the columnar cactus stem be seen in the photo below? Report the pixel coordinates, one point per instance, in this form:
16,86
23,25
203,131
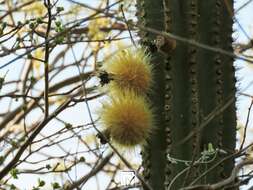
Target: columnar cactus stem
228,130
190,83
210,74
154,155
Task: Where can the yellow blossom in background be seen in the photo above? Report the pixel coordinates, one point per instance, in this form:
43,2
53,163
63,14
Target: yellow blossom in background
90,138
36,8
77,10
95,32
58,100
38,54
60,166
95,26
12,128
111,48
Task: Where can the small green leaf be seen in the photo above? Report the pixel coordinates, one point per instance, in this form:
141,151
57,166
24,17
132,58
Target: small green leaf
14,173
29,56
55,185
3,25
33,80
68,125
13,187
1,82
32,25
59,9
58,23
39,20
41,183
59,39
82,159
210,147
1,160
19,23
48,167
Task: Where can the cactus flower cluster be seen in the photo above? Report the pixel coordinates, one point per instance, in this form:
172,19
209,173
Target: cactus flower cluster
127,115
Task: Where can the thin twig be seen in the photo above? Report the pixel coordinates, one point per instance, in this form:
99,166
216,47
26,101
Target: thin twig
243,6
246,125
93,172
129,31
40,126
223,183
47,4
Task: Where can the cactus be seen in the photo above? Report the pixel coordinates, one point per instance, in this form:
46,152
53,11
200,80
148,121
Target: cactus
190,82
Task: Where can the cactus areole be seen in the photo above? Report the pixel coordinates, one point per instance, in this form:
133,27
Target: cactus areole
189,84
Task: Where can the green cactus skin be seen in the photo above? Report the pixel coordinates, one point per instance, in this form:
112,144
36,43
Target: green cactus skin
190,83
210,74
154,155
228,130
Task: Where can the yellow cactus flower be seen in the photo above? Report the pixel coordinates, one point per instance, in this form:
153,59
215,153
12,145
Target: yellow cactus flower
130,69
128,118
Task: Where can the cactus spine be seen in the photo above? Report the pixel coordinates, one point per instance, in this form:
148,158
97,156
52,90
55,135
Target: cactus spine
190,82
